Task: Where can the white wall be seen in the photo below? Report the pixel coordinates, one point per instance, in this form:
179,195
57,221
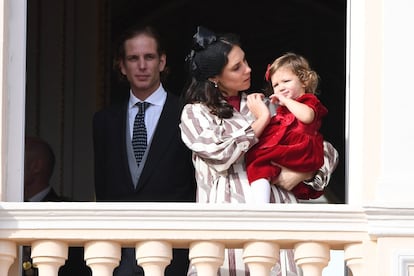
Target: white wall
379,135
13,97
396,182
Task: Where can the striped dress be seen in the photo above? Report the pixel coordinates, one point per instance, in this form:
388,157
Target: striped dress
218,147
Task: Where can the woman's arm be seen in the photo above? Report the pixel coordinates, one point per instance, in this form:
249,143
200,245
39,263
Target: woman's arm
219,142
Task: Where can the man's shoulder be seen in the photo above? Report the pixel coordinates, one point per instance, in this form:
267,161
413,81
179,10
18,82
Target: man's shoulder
174,100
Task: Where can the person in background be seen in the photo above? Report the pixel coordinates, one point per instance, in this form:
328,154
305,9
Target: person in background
139,155
39,163
220,123
292,138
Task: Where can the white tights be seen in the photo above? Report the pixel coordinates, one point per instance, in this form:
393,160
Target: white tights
260,191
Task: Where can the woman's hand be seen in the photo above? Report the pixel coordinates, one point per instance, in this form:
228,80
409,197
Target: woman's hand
257,106
259,109
288,179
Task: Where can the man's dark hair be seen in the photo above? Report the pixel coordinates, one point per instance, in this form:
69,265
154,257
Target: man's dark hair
131,32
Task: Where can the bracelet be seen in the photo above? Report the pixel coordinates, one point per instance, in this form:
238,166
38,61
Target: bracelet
317,182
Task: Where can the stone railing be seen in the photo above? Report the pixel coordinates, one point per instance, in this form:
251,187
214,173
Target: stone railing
312,230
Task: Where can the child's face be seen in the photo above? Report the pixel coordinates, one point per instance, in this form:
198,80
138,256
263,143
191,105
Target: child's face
287,83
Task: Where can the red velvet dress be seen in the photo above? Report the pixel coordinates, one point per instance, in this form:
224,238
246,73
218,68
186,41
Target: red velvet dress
290,143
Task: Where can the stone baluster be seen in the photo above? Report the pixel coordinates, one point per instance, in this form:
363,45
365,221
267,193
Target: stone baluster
260,257
207,257
48,256
354,258
8,253
102,257
154,256
312,257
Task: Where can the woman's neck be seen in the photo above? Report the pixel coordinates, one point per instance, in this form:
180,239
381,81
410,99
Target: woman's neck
234,101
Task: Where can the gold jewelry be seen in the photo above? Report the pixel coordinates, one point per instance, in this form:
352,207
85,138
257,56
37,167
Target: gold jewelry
27,265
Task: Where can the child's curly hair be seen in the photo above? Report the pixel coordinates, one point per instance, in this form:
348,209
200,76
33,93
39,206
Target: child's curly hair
300,66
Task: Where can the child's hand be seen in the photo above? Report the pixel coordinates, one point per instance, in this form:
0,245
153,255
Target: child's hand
274,99
277,98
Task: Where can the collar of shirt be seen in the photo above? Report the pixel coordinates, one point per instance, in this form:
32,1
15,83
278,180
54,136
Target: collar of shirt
157,98
152,113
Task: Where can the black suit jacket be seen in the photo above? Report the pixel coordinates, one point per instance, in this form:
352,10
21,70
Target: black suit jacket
168,173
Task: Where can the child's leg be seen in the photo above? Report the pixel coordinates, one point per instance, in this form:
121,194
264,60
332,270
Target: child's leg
260,190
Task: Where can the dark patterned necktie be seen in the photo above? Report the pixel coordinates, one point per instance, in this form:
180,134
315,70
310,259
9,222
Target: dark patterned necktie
139,135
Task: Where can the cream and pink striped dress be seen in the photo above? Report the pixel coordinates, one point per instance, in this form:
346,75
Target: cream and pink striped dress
218,147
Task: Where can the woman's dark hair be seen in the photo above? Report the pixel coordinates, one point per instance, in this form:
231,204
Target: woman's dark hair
207,59
131,32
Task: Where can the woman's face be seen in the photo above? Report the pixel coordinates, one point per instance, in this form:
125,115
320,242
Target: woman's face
236,74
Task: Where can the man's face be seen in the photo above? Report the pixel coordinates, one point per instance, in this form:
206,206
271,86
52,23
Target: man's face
142,65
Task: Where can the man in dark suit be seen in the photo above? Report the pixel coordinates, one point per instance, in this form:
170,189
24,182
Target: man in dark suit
163,172
38,169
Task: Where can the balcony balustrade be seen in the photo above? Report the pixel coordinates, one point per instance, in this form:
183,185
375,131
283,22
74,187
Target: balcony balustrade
312,230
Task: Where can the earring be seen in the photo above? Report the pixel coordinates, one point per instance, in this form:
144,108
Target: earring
215,84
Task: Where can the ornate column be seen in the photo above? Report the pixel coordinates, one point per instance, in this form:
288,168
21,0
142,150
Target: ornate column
154,256
260,257
312,257
8,253
102,257
354,258
48,256
207,257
